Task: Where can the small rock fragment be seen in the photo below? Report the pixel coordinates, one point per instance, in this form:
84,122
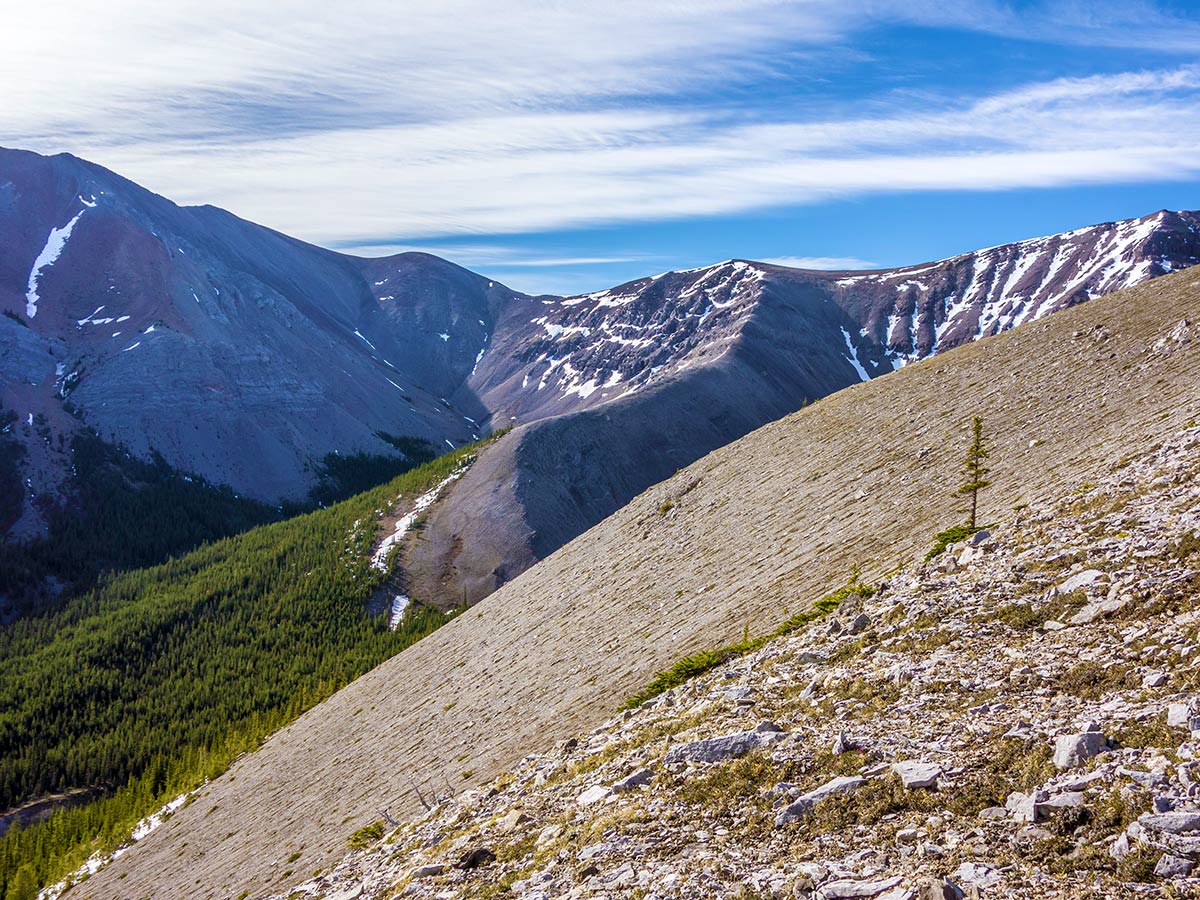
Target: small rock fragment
1080,580
513,821
428,871
852,890
803,805
720,749
1169,866
859,624
476,857
638,779
597,793
1172,822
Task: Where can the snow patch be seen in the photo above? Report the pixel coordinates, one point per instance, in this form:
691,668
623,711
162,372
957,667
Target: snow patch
98,860
400,603
49,255
853,358
422,503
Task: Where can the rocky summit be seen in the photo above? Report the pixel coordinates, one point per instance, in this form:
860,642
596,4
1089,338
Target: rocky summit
1017,717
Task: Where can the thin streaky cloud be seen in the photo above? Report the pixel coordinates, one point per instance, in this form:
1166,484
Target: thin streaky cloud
547,171
461,119
824,263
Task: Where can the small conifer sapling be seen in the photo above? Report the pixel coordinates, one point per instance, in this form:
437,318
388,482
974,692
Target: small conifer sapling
975,470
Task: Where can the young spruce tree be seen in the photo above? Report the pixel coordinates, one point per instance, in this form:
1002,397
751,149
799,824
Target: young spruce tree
975,470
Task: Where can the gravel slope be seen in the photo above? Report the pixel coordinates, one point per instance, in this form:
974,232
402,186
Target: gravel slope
753,530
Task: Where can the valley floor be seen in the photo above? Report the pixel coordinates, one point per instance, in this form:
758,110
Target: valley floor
1017,718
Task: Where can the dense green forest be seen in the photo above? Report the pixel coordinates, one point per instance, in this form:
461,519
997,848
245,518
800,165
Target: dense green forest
158,678
126,513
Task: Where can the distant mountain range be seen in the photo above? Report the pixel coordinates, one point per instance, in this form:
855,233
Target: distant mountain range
246,356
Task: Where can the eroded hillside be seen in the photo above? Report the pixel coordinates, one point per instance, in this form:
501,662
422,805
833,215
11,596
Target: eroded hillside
1019,716
742,538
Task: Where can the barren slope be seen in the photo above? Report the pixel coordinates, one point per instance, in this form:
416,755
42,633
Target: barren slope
1019,717
755,529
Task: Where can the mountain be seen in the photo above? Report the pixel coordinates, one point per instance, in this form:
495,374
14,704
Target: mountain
738,542
250,359
675,366
236,352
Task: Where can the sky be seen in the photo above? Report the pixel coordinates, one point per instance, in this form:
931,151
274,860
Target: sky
563,147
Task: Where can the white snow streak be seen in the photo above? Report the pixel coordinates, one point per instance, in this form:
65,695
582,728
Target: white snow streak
422,503
98,861
853,358
50,253
399,604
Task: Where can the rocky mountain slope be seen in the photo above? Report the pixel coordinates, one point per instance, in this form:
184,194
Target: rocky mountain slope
246,356
663,370
238,353
1019,717
742,539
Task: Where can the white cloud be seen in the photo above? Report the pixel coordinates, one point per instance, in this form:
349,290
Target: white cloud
825,263
494,256
550,170
393,121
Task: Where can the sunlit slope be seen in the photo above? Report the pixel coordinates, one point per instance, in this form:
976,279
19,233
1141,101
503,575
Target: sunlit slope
754,530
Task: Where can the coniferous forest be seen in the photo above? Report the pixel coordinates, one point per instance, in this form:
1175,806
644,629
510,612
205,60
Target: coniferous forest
155,679
123,512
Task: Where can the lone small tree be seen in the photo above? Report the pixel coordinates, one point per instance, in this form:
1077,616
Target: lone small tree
974,469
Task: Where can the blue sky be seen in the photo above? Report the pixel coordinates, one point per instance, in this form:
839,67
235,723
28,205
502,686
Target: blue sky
566,147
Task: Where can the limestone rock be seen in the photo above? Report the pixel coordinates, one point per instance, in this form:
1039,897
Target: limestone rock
1172,822
719,749
597,793
1179,714
851,890
803,805
427,871
640,778
1169,866
918,774
1083,579
1070,750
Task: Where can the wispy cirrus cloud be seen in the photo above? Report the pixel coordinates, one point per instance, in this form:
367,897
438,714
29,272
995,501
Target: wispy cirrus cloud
551,170
824,263
466,117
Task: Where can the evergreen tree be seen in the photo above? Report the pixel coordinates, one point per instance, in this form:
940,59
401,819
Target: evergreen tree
975,470
24,885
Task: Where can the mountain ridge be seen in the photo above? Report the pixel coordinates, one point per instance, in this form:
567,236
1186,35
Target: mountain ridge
246,356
